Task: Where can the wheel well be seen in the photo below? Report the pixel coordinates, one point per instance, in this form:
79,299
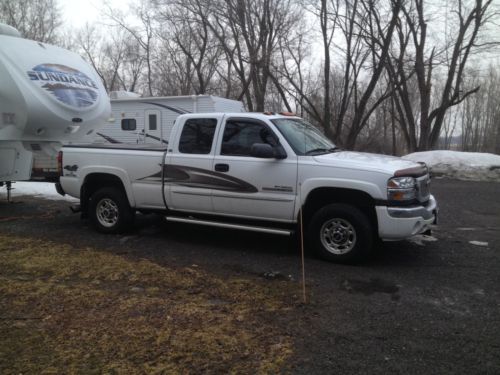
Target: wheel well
94,182
320,197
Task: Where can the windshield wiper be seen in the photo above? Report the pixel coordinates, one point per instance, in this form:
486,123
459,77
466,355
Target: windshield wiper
317,151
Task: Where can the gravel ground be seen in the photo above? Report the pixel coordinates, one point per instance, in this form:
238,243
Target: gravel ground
430,305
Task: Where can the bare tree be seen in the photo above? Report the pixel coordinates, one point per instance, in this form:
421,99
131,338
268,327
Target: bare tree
327,33
492,110
312,95
480,114
377,33
132,65
143,34
186,36
417,57
380,73
450,126
248,33
365,30
113,54
36,19
88,40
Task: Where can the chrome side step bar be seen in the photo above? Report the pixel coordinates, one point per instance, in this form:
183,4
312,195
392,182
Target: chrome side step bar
251,228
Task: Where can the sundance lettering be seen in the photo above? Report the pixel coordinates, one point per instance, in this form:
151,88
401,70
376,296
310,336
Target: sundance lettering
61,77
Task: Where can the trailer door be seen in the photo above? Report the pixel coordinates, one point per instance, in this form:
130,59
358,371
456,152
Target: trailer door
152,126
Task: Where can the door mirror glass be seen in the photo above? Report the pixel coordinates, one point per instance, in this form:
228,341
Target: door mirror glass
262,150
279,152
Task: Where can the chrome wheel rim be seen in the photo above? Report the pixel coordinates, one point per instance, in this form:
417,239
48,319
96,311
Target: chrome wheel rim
338,236
107,212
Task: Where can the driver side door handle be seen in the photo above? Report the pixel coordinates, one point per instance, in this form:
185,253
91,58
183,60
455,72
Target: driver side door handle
222,167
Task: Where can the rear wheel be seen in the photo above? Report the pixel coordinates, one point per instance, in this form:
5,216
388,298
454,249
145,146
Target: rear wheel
109,211
341,233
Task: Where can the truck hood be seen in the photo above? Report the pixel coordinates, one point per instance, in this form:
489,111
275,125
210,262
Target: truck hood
365,161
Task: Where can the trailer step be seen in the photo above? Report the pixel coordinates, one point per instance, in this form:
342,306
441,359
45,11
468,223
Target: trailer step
218,224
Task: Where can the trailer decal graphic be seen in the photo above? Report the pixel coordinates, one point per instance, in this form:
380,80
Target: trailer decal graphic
200,178
68,85
180,111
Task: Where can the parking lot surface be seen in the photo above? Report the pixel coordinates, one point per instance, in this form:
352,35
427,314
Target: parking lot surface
427,305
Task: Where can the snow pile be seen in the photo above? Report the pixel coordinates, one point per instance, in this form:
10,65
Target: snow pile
46,190
462,165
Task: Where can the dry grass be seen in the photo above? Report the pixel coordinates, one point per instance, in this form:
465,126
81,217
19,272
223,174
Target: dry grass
66,310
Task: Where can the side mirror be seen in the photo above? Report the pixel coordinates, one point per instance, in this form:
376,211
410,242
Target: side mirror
262,150
266,151
279,152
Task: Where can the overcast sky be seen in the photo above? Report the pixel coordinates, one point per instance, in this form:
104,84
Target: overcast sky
77,12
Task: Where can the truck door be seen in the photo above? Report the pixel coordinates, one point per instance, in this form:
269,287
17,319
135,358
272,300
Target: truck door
262,188
188,175
152,126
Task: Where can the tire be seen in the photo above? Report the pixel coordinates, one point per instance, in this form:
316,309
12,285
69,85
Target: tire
109,211
341,233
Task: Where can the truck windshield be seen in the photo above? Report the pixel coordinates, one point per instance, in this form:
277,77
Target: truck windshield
304,138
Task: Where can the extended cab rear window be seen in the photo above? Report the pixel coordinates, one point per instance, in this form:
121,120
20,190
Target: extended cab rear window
197,136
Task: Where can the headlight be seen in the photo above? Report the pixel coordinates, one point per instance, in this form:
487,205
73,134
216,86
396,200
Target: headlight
401,183
401,189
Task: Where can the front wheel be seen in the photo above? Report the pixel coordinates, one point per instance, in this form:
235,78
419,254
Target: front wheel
109,211
341,233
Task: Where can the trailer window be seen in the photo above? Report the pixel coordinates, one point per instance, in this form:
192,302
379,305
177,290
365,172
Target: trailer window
129,124
197,136
152,122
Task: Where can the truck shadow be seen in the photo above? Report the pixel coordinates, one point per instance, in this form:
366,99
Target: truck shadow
151,237
216,241
203,237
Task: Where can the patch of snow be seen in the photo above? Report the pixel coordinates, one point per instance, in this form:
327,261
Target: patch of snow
462,165
45,190
479,243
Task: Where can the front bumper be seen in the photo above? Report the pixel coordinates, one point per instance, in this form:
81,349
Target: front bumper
395,223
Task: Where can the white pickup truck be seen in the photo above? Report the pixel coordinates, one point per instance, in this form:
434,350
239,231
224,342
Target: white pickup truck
254,171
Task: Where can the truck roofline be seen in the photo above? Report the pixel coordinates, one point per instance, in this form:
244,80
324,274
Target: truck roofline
252,115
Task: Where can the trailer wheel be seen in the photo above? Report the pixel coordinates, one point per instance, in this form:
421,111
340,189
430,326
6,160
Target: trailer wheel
109,211
341,233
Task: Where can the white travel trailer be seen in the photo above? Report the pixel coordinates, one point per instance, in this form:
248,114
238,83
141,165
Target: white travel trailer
141,120
150,120
48,96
